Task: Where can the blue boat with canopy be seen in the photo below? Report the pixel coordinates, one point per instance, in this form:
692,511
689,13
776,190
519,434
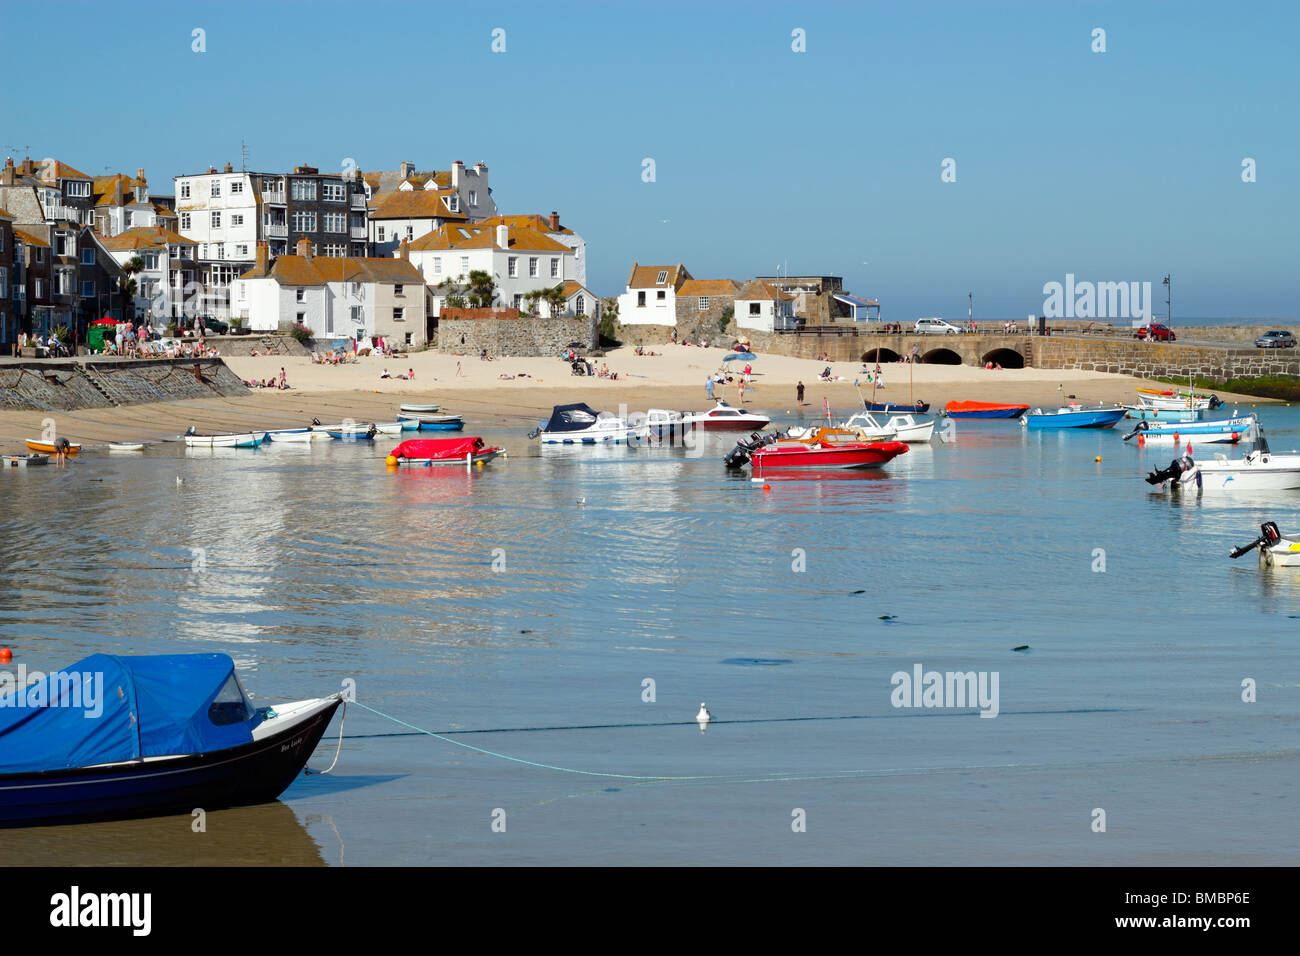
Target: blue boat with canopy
118,736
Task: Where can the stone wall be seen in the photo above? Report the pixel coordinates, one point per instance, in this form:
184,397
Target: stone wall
1243,335
1164,360
516,337
68,384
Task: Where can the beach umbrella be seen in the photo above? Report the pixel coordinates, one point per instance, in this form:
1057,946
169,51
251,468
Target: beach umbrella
106,320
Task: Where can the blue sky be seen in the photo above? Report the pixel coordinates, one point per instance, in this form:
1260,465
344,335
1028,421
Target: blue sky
1114,166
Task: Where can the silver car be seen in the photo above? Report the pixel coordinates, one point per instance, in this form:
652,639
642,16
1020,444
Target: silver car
1275,339
935,327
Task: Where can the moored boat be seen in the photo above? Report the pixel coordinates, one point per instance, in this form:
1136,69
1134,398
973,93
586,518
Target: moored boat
229,440
1275,548
170,733
1224,431
724,417
579,424
1142,410
295,435
442,451
48,448
827,449
1074,416
126,446
897,408
389,428
1260,470
354,431
427,422
418,409
984,410
26,461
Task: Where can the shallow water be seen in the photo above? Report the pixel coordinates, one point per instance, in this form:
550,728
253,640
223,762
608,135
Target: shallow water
531,599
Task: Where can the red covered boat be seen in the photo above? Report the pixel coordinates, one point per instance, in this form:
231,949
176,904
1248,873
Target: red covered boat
827,448
442,451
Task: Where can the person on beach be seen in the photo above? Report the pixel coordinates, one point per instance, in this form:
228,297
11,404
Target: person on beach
708,387
61,446
385,374
459,373
410,373
799,393
284,382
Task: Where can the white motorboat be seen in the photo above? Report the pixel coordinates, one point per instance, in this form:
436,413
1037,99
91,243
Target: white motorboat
1223,431
724,417
909,429
1258,471
579,424
1274,547
869,428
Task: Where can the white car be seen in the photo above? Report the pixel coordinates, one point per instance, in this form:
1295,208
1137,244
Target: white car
935,327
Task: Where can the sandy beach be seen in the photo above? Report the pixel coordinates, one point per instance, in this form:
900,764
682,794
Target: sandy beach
519,391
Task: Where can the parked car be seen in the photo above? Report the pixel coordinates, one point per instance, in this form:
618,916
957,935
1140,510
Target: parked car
215,326
1275,339
935,327
1156,332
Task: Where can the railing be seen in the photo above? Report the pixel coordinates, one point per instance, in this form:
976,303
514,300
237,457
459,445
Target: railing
358,201
276,198
279,230
359,232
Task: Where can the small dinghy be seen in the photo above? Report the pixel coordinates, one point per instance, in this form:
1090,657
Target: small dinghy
292,436
119,736
426,422
26,461
418,409
1223,431
229,440
361,431
426,452
389,428
1073,416
1275,548
126,446
47,447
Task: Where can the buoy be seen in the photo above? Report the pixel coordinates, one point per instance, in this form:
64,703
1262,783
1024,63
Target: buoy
1142,438
1176,438
390,460
767,487
6,655
1098,458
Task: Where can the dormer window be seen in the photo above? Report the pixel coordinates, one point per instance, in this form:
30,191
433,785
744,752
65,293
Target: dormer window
454,203
663,277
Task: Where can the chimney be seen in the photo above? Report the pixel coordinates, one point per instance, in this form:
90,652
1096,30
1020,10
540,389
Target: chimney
503,236
28,167
555,221
480,168
304,248
228,168
261,267
212,170
8,175
456,169
408,170
404,250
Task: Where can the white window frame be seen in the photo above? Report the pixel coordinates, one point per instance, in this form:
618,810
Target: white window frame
185,191
236,187
533,267
215,219
512,267
555,268
214,188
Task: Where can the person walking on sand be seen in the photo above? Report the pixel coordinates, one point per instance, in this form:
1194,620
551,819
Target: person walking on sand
284,382
459,373
708,387
799,393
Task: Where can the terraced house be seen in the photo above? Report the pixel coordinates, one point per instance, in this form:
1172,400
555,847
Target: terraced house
669,296
462,195
10,286
358,298
169,263
122,202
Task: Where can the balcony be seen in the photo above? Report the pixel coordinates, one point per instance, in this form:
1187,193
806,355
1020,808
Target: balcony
359,232
275,199
358,201
278,230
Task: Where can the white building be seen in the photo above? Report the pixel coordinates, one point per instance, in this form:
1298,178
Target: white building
550,226
764,308
170,265
335,297
520,260
651,296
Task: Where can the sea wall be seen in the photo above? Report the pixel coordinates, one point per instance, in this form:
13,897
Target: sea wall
518,337
67,384
1163,360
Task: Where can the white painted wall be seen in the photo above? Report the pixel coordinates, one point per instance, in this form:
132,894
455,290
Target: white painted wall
655,312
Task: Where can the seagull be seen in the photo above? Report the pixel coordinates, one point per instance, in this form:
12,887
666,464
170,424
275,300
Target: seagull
180,480
703,717
581,502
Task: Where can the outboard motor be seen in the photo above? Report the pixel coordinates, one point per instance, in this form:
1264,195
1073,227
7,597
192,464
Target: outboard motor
1141,427
1269,536
739,456
1216,402
1176,469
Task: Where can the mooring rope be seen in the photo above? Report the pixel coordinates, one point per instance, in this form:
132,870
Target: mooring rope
342,717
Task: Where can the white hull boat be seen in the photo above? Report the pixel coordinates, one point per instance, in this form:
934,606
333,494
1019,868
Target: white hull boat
241,440
388,428
580,425
418,409
294,436
1275,548
126,446
1227,431
909,429
868,428
1257,471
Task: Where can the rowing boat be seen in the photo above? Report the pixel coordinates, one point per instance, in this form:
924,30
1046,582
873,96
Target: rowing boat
47,447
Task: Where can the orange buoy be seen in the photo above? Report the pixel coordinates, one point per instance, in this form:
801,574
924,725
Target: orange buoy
767,487
1098,458
6,655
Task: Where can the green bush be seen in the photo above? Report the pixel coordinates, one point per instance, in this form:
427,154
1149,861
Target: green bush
301,333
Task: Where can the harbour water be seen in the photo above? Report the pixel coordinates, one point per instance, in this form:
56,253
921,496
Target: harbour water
523,607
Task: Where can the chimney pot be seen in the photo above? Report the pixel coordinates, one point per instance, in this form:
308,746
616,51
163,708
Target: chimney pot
555,221
304,248
404,250
503,236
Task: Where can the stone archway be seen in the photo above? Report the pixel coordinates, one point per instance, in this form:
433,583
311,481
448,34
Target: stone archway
941,356
879,355
1007,358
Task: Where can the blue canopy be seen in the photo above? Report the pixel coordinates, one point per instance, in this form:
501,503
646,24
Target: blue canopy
105,709
740,357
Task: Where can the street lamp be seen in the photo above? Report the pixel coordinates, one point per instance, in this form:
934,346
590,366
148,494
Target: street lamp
1168,297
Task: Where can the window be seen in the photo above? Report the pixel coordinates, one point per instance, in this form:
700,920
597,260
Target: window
512,266
38,289
236,220
532,266
663,277
408,338
87,290
88,256
333,192
62,247
236,187
4,283
640,300
215,188
63,279
704,303
230,706
580,305
464,265
473,197
356,288
357,315
437,265
555,268
454,202
304,222
216,220
399,314
358,221
661,297
302,318
300,295
336,222
241,252
302,189
151,260
755,309
78,189
381,234
185,190
336,249
410,233
185,220
40,254
397,289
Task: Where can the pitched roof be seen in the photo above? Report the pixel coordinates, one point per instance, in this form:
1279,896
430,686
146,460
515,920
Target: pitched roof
5,215
573,287
147,237
760,290
709,287
414,204
318,270
481,236
30,239
647,277
528,221
60,170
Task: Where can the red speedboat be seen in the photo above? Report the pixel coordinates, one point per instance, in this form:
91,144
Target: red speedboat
828,448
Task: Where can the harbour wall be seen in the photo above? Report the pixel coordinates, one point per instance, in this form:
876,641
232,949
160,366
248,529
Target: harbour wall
1164,360
514,337
67,384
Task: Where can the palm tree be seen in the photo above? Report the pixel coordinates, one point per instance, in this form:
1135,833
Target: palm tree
555,298
482,289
